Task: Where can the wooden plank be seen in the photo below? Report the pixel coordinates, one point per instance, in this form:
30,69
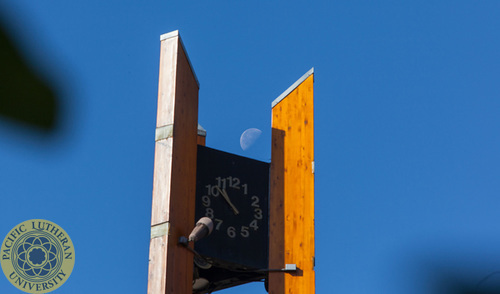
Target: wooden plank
292,189
202,135
171,265
202,140
157,265
277,212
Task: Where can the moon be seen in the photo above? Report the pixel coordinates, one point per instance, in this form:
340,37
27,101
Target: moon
249,137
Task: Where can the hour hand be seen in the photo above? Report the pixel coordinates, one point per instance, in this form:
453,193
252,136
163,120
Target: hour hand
226,197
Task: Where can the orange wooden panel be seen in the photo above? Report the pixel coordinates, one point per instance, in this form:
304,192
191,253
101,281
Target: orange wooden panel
292,190
171,265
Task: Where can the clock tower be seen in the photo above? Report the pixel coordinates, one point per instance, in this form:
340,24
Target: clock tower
262,213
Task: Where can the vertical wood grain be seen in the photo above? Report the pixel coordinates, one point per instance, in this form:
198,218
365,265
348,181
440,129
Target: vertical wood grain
201,140
292,191
277,212
171,265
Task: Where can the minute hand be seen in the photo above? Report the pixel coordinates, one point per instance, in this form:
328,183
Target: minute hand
226,197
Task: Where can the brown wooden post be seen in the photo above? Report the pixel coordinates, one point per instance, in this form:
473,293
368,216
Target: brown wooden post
174,183
291,230
202,135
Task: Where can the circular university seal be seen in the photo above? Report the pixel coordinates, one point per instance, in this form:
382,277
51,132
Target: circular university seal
37,256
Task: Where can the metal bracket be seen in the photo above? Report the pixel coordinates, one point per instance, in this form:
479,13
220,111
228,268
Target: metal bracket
160,230
164,132
288,268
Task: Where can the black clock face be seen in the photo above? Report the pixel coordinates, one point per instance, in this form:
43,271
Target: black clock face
233,192
234,210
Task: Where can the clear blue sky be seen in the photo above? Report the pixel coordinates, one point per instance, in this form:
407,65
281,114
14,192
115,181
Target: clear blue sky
407,103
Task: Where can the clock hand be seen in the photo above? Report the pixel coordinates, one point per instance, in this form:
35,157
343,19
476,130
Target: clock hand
226,197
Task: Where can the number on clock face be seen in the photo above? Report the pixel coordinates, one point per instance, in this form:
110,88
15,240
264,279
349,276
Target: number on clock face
234,211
